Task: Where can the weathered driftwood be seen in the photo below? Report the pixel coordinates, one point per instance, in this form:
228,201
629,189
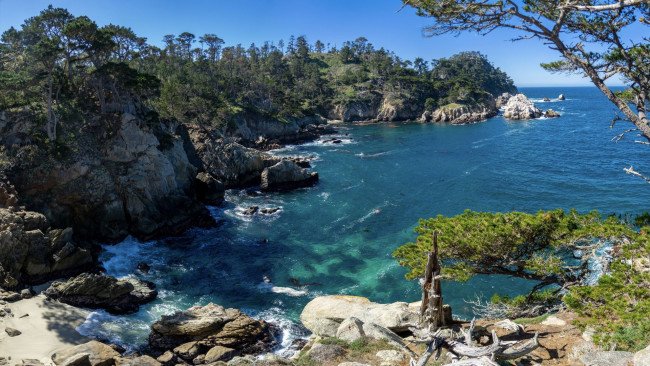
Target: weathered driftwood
517,350
483,361
469,350
508,324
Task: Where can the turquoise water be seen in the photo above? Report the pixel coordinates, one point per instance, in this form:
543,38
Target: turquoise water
373,189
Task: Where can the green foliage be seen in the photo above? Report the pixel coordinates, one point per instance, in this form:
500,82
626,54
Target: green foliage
109,69
544,297
618,306
534,246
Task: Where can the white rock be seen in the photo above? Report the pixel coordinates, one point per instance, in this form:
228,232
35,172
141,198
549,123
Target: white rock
324,314
555,321
642,358
350,330
519,107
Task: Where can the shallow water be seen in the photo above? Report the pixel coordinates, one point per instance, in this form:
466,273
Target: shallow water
373,188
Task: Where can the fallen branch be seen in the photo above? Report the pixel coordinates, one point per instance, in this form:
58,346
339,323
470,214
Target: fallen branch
630,170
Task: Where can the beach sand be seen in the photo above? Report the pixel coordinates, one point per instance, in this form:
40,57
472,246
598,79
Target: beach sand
49,327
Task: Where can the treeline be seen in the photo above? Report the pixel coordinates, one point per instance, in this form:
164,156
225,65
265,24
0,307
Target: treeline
60,65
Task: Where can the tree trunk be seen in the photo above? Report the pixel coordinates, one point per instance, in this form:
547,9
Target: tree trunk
51,118
431,314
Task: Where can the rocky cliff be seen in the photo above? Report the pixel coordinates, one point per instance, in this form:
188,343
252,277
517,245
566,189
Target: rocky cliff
264,133
374,106
108,185
33,252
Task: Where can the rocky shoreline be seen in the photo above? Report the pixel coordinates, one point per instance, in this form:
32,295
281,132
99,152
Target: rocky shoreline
345,329
150,183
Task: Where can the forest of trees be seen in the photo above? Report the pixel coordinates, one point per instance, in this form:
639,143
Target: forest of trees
60,65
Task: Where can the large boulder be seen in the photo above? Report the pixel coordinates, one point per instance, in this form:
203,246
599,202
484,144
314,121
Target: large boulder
32,252
642,358
607,358
323,315
212,325
103,292
519,107
99,354
286,175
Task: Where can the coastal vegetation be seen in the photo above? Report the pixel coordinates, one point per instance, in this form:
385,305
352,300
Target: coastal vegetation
64,67
562,252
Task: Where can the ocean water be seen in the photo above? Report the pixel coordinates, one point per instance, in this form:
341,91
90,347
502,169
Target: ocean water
373,188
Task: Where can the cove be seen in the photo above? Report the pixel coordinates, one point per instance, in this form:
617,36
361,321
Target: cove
373,188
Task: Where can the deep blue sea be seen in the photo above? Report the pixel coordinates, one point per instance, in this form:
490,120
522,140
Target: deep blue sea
373,189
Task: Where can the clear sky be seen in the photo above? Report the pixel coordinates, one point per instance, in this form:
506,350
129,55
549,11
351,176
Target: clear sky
333,21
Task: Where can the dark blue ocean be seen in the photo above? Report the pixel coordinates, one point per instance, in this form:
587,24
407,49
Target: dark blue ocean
373,189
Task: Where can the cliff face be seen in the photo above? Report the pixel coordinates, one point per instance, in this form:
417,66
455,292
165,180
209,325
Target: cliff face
111,187
397,107
254,131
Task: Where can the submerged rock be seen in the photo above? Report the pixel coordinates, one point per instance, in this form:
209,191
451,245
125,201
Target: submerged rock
103,292
324,315
211,326
286,175
251,210
519,107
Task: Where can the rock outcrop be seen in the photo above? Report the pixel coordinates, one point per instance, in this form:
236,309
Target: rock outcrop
459,114
103,292
230,163
561,97
519,107
551,114
129,180
99,354
364,107
502,100
209,190
398,108
286,175
262,133
32,252
324,315
375,106
197,331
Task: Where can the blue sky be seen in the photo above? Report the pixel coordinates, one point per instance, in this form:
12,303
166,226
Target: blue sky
333,21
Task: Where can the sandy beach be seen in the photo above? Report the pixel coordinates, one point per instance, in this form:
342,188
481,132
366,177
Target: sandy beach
46,327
